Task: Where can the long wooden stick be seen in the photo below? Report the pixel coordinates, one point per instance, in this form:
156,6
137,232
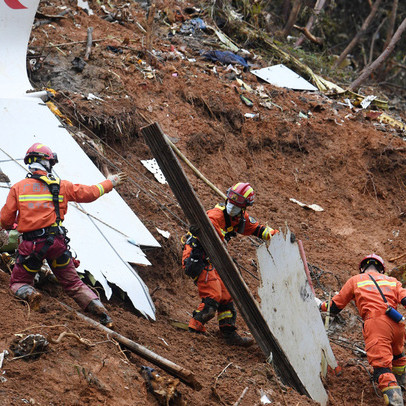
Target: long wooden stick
183,374
194,169
89,43
396,258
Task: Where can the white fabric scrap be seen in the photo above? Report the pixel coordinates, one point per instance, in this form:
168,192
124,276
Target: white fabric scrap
165,234
153,167
85,5
91,96
314,207
367,101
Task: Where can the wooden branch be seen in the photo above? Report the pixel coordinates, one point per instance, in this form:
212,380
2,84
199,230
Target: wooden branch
313,18
396,258
392,20
359,34
309,35
50,18
297,4
240,398
381,58
374,38
89,43
221,259
183,374
150,33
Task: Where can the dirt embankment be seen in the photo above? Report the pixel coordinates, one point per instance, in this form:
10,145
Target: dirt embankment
306,146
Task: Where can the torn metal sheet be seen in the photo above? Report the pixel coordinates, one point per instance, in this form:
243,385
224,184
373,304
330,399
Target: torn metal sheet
99,231
165,234
288,306
16,19
282,76
153,167
314,207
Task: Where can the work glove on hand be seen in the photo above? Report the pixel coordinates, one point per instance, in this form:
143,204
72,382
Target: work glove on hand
118,179
197,254
194,229
268,233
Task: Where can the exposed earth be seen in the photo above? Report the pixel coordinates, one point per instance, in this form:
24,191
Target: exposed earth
306,146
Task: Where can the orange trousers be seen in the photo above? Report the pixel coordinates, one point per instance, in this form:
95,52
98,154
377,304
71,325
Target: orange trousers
210,285
384,344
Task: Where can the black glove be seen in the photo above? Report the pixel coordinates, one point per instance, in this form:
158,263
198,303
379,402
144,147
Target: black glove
197,254
194,229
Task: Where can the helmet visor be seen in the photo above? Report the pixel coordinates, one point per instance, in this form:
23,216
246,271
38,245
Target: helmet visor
237,199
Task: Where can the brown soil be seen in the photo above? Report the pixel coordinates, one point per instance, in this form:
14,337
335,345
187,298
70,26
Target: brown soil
351,166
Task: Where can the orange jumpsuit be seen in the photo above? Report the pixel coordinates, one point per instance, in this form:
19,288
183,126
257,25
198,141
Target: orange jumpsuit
30,204
384,338
214,294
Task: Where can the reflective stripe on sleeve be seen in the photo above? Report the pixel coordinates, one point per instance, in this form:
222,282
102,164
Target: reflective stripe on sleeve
101,189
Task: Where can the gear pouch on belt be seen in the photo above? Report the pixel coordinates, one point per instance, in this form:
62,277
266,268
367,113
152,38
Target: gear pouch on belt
31,263
394,314
194,268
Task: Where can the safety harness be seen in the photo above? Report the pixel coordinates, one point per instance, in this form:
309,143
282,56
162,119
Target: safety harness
230,231
33,262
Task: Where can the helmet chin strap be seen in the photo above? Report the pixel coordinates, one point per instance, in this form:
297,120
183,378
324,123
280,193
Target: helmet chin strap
43,165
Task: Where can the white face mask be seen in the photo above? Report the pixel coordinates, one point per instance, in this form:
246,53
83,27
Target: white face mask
232,209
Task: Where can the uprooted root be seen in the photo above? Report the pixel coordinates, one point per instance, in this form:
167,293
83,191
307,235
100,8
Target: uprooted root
75,336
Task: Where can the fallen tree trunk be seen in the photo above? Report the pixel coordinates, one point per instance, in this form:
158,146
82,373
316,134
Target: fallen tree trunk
183,374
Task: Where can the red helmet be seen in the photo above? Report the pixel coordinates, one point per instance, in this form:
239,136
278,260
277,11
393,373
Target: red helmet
241,195
372,259
40,151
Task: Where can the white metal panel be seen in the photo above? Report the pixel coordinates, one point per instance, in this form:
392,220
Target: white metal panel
28,120
16,18
288,305
282,76
101,250
99,235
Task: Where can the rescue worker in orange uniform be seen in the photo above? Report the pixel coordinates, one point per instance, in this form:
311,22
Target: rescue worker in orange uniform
38,205
384,330
228,219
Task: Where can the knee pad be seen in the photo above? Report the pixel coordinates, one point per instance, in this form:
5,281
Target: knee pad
31,263
62,261
227,314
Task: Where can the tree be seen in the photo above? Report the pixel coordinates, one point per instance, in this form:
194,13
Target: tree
313,18
381,58
297,4
359,34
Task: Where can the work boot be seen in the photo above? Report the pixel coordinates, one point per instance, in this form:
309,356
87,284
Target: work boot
233,338
400,375
30,295
96,307
196,327
392,395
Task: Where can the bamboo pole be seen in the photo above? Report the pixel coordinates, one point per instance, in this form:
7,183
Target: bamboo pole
194,169
183,374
